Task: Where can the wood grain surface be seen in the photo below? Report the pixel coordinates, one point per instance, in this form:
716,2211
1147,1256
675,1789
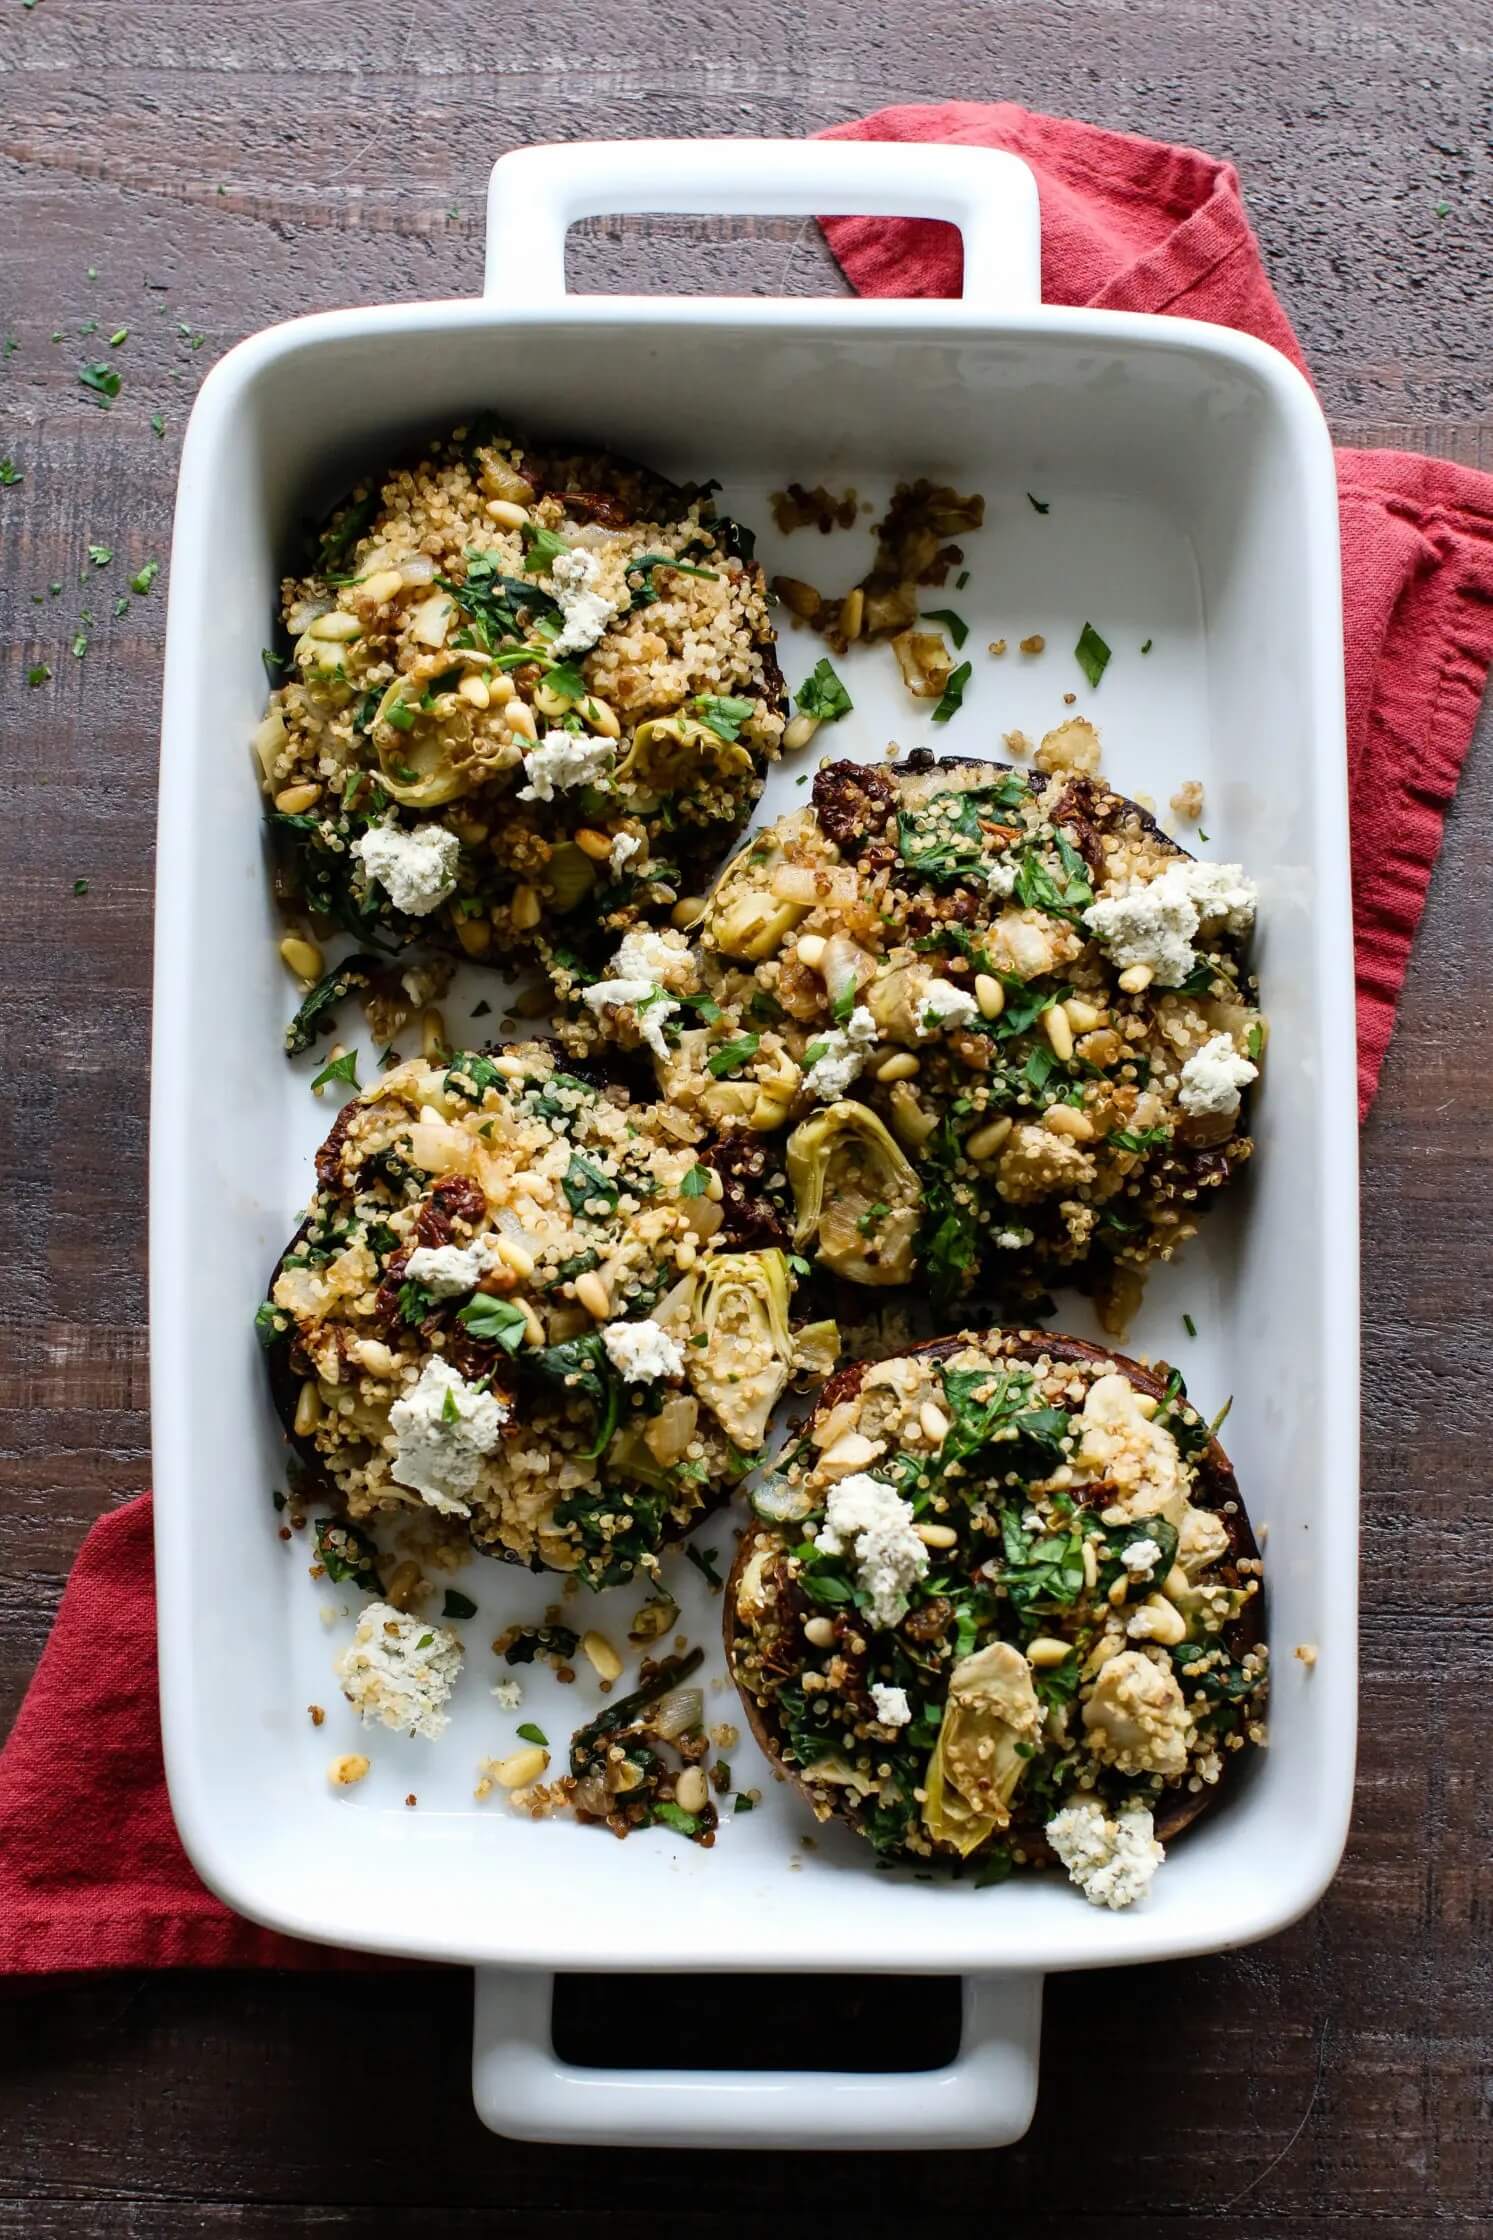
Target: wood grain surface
192,170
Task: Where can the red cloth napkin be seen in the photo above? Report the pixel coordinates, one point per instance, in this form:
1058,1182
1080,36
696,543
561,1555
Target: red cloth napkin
91,1873
1134,225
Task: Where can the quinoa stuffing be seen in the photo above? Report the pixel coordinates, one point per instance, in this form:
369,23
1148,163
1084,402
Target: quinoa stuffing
1001,1024
1002,1605
524,695
514,1310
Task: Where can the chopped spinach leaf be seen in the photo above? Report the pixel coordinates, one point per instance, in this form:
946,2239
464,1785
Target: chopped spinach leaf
822,695
1092,653
458,1605
584,1183
495,1319
722,714
955,624
953,693
347,1555
731,1056
343,1069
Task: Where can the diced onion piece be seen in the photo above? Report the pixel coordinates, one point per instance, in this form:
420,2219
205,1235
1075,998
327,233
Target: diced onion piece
432,619
677,1712
419,568
801,883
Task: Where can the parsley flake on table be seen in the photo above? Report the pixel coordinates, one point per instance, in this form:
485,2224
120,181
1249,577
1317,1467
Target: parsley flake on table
80,886
120,334
1036,504
40,674
10,474
953,693
102,379
100,555
1092,653
147,576
822,695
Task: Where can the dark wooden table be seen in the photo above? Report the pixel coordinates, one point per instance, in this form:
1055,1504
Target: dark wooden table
193,170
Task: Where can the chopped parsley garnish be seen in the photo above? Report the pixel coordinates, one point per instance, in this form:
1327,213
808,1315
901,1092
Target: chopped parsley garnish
1148,645
270,1323
674,1816
40,674
1189,1326
743,1801
120,334
1139,1139
1254,1041
103,379
722,714
733,1055
80,645
100,555
704,1562
528,1732
1038,888
1092,653
583,1183
10,474
696,1183
953,693
450,1412
1036,504
955,624
944,838
822,695
344,1068
495,1319
961,579
542,548
648,591
158,425
458,1605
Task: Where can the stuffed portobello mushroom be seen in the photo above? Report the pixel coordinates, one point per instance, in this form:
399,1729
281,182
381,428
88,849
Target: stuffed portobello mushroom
1000,1022
515,1310
528,695
1003,1606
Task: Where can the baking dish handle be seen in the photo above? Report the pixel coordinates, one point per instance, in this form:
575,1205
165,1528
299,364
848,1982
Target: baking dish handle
536,194
983,2098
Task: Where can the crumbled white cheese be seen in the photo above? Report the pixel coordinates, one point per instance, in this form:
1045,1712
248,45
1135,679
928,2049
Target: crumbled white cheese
624,848
1152,923
417,869
1141,1558
509,1693
652,1008
892,1706
642,1351
400,1670
1011,1240
446,1270
839,1055
564,759
1000,876
661,958
1111,1860
1213,1077
939,1005
887,1553
587,611
443,1428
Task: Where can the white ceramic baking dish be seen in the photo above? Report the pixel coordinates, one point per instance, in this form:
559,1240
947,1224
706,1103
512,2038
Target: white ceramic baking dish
1192,508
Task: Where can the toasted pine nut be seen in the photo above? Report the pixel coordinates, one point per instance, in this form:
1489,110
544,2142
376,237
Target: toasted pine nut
1058,1032
715,1189
524,909
302,957
521,719
1119,1589
985,1142
934,1423
294,801
605,1662
336,628
937,1535
501,688
1146,1404
475,935
899,1067
474,690
534,1331
686,1253
548,701
799,732
512,1069
596,845
1158,1620
913,1125
1090,1565
690,1791
1083,1017
504,514
307,1409
688,912
819,1632
514,1255
433,1043
1136,978
601,716
853,613
521,1767
592,1294
1067,1120
989,995
809,950
768,1113
1047,1650
1176,1583
852,1451
344,1772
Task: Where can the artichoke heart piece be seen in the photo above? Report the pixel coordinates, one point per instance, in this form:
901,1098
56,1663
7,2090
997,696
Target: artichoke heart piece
741,1353
670,754
975,1767
745,918
424,754
855,1190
